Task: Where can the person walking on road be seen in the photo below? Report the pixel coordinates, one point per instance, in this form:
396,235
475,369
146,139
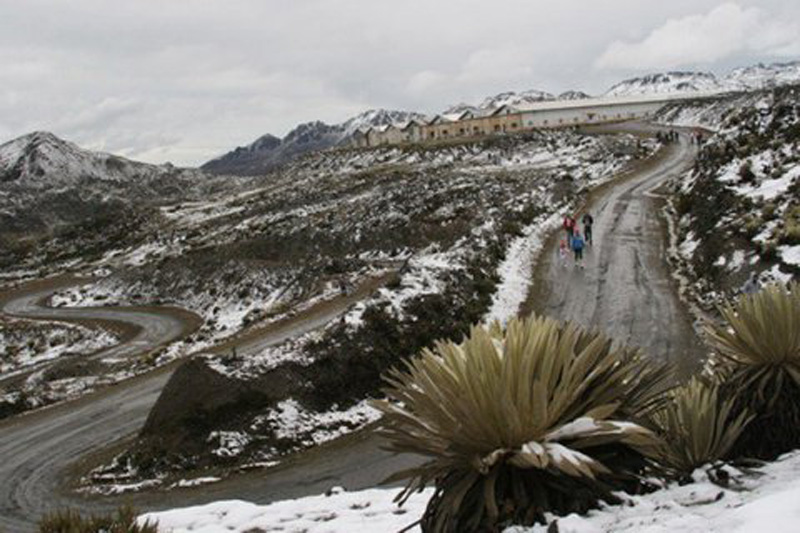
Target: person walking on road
569,227
563,252
577,247
588,221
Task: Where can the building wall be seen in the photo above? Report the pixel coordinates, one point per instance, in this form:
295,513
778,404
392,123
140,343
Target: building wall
392,136
413,133
554,118
374,138
360,140
498,124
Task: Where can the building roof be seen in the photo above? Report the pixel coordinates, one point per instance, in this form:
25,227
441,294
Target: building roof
407,124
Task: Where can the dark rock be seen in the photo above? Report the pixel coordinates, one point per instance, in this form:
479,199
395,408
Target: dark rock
198,399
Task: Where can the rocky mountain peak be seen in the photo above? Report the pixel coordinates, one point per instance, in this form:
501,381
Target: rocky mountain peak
666,82
514,98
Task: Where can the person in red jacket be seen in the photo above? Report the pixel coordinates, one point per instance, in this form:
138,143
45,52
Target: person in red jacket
569,227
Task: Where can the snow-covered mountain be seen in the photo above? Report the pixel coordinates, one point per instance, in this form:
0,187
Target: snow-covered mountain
377,117
49,185
269,152
573,95
667,82
762,76
513,98
41,159
749,78
457,109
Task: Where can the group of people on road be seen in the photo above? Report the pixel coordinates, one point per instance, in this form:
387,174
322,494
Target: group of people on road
573,240
672,136
664,137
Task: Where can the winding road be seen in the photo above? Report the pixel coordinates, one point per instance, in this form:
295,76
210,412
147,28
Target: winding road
625,288
36,448
148,328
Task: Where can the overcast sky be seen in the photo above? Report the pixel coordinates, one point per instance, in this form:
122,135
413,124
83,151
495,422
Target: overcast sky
186,80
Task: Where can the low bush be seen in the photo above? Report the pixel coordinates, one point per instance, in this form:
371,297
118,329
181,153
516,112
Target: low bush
539,417
71,521
758,346
768,211
698,426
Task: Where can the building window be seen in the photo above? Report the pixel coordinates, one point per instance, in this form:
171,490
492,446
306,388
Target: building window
513,125
545,122
444,133
530,123
461,131
432,135
497,127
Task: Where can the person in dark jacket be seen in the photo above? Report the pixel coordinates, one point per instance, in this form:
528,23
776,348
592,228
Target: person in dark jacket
588,221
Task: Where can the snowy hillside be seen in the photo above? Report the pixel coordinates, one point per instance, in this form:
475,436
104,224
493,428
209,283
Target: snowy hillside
764,76
669,82
748,78
51,189
737,210
269,152
453,227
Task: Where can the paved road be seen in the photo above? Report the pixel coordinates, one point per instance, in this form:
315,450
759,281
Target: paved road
625,288
35,448
153,328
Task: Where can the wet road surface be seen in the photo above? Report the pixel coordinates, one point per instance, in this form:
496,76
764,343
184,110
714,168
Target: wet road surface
625,287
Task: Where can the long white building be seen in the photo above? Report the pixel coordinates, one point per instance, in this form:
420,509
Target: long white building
519,118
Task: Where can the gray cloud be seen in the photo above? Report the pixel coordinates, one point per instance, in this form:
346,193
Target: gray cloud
183,80
726,30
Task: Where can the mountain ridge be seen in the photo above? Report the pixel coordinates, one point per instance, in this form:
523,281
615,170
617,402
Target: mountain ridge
269,152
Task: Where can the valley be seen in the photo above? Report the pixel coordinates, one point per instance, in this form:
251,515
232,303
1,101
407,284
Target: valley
178,336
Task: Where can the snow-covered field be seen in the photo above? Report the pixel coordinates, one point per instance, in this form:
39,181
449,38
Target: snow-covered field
754,501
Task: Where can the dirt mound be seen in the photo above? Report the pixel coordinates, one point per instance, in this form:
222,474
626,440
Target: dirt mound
198,399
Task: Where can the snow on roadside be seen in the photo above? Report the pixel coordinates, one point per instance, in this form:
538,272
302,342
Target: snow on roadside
366,510
753,503
290,420
516,270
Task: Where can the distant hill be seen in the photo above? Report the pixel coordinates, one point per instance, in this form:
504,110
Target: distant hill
48,185
764,76
754,77
268,152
